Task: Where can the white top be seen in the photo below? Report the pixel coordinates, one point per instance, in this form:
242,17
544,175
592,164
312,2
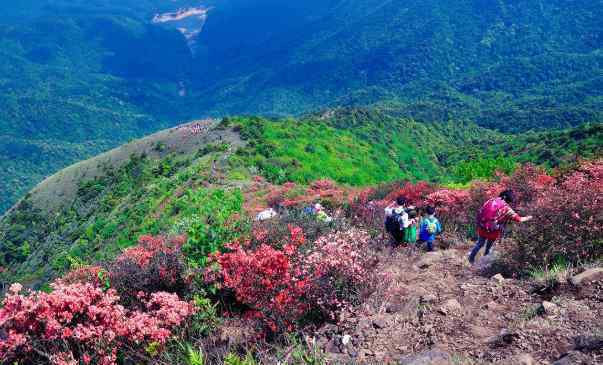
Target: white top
404,221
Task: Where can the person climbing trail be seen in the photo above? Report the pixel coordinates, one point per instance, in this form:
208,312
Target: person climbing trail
321,215
430,228
491,221
396,219
410,233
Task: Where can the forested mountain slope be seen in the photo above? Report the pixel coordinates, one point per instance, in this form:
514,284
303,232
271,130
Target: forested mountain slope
80,77
93,209
510,64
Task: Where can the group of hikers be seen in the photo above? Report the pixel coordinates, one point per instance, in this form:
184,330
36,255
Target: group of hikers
408,225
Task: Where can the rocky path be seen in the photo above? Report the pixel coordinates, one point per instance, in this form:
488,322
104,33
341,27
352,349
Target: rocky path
433,308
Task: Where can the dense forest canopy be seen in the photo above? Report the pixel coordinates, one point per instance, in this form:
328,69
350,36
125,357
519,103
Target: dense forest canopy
79,77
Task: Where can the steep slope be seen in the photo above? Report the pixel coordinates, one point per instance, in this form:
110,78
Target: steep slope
77,85
92,210
433,308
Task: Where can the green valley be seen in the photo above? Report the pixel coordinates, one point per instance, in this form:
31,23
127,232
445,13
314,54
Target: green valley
81,77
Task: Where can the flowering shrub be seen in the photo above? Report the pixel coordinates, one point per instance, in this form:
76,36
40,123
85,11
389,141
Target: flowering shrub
339,265
155,264
83,322
95,275
267,281
281,286
365,211
414,193
568,219
452,208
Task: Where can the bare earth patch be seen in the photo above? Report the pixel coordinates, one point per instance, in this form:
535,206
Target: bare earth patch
433,308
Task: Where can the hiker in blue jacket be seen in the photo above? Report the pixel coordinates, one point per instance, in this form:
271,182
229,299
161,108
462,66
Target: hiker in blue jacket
430,228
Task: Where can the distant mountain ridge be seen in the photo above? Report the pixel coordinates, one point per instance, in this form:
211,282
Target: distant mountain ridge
80,77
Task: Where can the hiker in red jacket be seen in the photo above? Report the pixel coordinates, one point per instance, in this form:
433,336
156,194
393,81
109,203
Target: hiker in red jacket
491,220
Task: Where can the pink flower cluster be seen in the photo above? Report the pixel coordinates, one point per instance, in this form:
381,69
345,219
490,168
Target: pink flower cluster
280,286
149,246
338,266
568,222
81,321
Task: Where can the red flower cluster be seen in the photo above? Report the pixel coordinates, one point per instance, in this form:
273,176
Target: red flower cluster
81,321
267,280
414,193
452,207
280,286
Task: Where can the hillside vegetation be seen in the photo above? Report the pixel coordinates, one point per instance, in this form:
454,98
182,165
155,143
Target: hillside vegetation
157,258
181,177
81,77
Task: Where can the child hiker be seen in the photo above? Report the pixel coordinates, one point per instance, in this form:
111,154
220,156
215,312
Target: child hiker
430,228
410,233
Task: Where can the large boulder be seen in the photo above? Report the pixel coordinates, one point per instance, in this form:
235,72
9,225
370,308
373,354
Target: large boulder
451,306
587,277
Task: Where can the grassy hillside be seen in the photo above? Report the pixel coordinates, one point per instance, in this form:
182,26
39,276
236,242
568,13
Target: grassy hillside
189,179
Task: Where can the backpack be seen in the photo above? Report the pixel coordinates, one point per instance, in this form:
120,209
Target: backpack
431,227
487,217
392,222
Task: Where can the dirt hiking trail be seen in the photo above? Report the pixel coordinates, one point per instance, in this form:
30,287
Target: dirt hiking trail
434,308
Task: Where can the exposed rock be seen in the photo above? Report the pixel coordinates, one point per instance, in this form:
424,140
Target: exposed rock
346,339
450,306
433,357
498,278
488,265
379,323
505,338
587,277
429,298
429,259
589,343
549,307
493,306
522,359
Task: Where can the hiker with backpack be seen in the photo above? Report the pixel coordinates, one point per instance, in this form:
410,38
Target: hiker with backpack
396,219
430,228
491,221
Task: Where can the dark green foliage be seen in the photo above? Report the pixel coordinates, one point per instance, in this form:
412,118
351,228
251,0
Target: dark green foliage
79,77
109,213
510,65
